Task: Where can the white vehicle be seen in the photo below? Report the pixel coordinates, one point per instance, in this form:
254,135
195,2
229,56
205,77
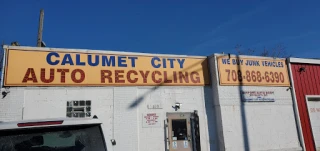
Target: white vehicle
53,134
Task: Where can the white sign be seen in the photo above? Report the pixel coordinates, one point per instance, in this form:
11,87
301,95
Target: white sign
150,120
154,106
174,145
314,112
185,144
257,96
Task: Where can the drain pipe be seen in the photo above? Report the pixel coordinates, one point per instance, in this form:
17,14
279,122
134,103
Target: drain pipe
295,106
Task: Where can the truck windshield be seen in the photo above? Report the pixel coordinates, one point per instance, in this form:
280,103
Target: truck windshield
62,138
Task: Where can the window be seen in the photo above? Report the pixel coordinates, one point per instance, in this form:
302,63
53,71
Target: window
179,129
79,109
80,138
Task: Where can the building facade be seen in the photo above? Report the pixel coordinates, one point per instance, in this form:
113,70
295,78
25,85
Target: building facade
154,101
142,99
253,100
305,77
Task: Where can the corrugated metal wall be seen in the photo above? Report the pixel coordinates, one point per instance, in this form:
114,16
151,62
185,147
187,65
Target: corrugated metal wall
306,82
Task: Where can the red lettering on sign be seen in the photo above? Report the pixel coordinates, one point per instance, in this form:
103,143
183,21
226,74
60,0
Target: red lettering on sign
154,77
73,76
151,119
63,74
165,77
107,76
118,75
33,78
194,76
104,76
314,110
255,76
184,77
129,76
43,75
144,76
175,79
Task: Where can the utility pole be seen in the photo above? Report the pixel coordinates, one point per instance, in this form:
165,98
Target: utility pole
40,29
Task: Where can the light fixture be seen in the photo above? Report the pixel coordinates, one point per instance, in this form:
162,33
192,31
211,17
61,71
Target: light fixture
177,106
113,142
302,69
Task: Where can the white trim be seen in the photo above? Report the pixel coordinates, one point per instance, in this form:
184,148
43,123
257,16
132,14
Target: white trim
96,51
219,120
3,67
301,60
311,96
206,125
246,56
295,107
216,68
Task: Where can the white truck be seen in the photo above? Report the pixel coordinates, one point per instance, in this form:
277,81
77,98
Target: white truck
53,135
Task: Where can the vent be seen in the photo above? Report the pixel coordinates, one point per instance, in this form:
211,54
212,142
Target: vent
79,108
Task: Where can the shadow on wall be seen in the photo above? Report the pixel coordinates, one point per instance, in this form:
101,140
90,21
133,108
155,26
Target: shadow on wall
204,67
246,142
211,118
209,107
219,117
208,97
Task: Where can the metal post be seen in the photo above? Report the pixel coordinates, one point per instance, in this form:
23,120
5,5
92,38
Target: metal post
39,40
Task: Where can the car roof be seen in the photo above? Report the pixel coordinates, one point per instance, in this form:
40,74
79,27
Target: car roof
49,122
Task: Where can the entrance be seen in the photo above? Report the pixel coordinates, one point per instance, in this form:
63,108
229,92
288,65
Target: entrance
313,103
183,131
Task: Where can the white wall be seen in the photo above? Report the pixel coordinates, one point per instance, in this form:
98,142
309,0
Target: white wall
11,105
119,108
254,125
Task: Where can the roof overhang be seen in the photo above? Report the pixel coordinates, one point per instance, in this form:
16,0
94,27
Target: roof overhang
110,52
303,60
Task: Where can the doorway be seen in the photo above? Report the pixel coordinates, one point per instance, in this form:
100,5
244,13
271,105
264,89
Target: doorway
313,103
182,131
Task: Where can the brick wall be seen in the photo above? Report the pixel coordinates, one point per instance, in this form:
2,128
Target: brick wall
119,108
254,125
11,106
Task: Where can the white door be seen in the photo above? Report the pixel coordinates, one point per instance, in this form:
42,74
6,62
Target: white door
314,115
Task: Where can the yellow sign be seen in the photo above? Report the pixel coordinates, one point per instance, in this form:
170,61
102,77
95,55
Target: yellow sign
60,68
252,71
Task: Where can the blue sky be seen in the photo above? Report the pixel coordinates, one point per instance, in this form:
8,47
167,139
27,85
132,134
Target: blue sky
187,27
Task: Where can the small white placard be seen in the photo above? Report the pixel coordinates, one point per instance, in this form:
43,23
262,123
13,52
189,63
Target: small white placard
174,145
257,96
185,144
173,91
154,106
151,120
174,138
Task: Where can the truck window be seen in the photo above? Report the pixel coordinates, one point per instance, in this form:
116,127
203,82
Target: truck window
62,138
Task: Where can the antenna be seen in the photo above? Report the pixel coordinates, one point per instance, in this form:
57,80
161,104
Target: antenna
40,28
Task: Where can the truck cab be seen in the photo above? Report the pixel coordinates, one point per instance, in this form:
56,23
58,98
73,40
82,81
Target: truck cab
53,134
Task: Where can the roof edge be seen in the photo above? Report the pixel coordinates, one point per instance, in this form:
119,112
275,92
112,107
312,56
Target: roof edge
96,51
244,56
304,60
